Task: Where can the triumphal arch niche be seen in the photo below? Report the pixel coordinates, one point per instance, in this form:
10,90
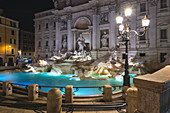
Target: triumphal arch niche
82,32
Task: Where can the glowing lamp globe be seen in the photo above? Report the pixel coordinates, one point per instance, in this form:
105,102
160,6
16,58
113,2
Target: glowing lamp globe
128,12
119,20
121,27
145,22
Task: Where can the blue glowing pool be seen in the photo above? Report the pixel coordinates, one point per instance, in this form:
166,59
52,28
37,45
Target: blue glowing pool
50,79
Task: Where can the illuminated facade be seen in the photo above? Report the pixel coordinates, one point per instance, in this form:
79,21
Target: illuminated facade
96,21
9,33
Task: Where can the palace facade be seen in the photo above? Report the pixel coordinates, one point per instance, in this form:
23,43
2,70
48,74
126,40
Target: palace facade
59,28
9,36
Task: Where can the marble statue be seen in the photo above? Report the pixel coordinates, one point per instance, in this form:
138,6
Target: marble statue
104,42
68,2
80,42
55,3
64,43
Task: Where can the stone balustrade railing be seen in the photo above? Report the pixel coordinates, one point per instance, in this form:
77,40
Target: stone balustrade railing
33,90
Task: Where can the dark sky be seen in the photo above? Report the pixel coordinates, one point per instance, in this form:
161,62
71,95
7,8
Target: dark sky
23,10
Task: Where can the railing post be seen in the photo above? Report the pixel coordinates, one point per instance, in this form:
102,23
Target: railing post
7,88
124,91
33,92
54,101
107,93
131,100
69,94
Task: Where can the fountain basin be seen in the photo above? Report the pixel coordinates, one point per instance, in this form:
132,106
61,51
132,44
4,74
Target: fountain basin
52,79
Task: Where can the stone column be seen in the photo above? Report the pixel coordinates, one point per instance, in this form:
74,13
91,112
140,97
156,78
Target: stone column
33,92
153,26
95,27
107,96
112,39
90,39
154,91
7,88
69,94
133,26
54,101
69,33
74,33
57,35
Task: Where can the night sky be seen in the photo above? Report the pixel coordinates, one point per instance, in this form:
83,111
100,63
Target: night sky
24,10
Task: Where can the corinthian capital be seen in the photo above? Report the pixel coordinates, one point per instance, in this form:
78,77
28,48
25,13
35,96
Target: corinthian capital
154,2
69,16
57,18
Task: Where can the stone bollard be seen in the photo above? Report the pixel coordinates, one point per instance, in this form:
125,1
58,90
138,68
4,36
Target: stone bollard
7,88
69,94
107,93
131,100
124,91
33,92
54,101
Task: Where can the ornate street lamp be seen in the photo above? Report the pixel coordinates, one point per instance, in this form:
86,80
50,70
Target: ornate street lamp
125,35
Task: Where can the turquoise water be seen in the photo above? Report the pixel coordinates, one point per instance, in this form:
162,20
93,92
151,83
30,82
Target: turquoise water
51,79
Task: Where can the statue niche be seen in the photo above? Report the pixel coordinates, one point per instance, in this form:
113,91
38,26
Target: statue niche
81,43
104,39
64,42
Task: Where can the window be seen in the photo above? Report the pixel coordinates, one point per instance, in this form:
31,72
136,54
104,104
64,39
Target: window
13,24
14,41
46,56
39,27
12,51
46,43
162,57
142,37
29,53
46,25
39,44
142,7
142,54
25,48
25,53
0,40
11,41
29,48
163,4
12,32
54,43
0,21
54,25
123,56
163,34
25,41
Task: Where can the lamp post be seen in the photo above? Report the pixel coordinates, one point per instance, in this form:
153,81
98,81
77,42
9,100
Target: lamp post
125,35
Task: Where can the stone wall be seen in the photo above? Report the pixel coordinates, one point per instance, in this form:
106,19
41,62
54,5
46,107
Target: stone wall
154,91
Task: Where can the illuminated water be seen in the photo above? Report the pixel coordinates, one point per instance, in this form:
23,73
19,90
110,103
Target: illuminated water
50,79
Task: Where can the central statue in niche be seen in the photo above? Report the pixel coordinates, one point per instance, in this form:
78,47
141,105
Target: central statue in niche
81,43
